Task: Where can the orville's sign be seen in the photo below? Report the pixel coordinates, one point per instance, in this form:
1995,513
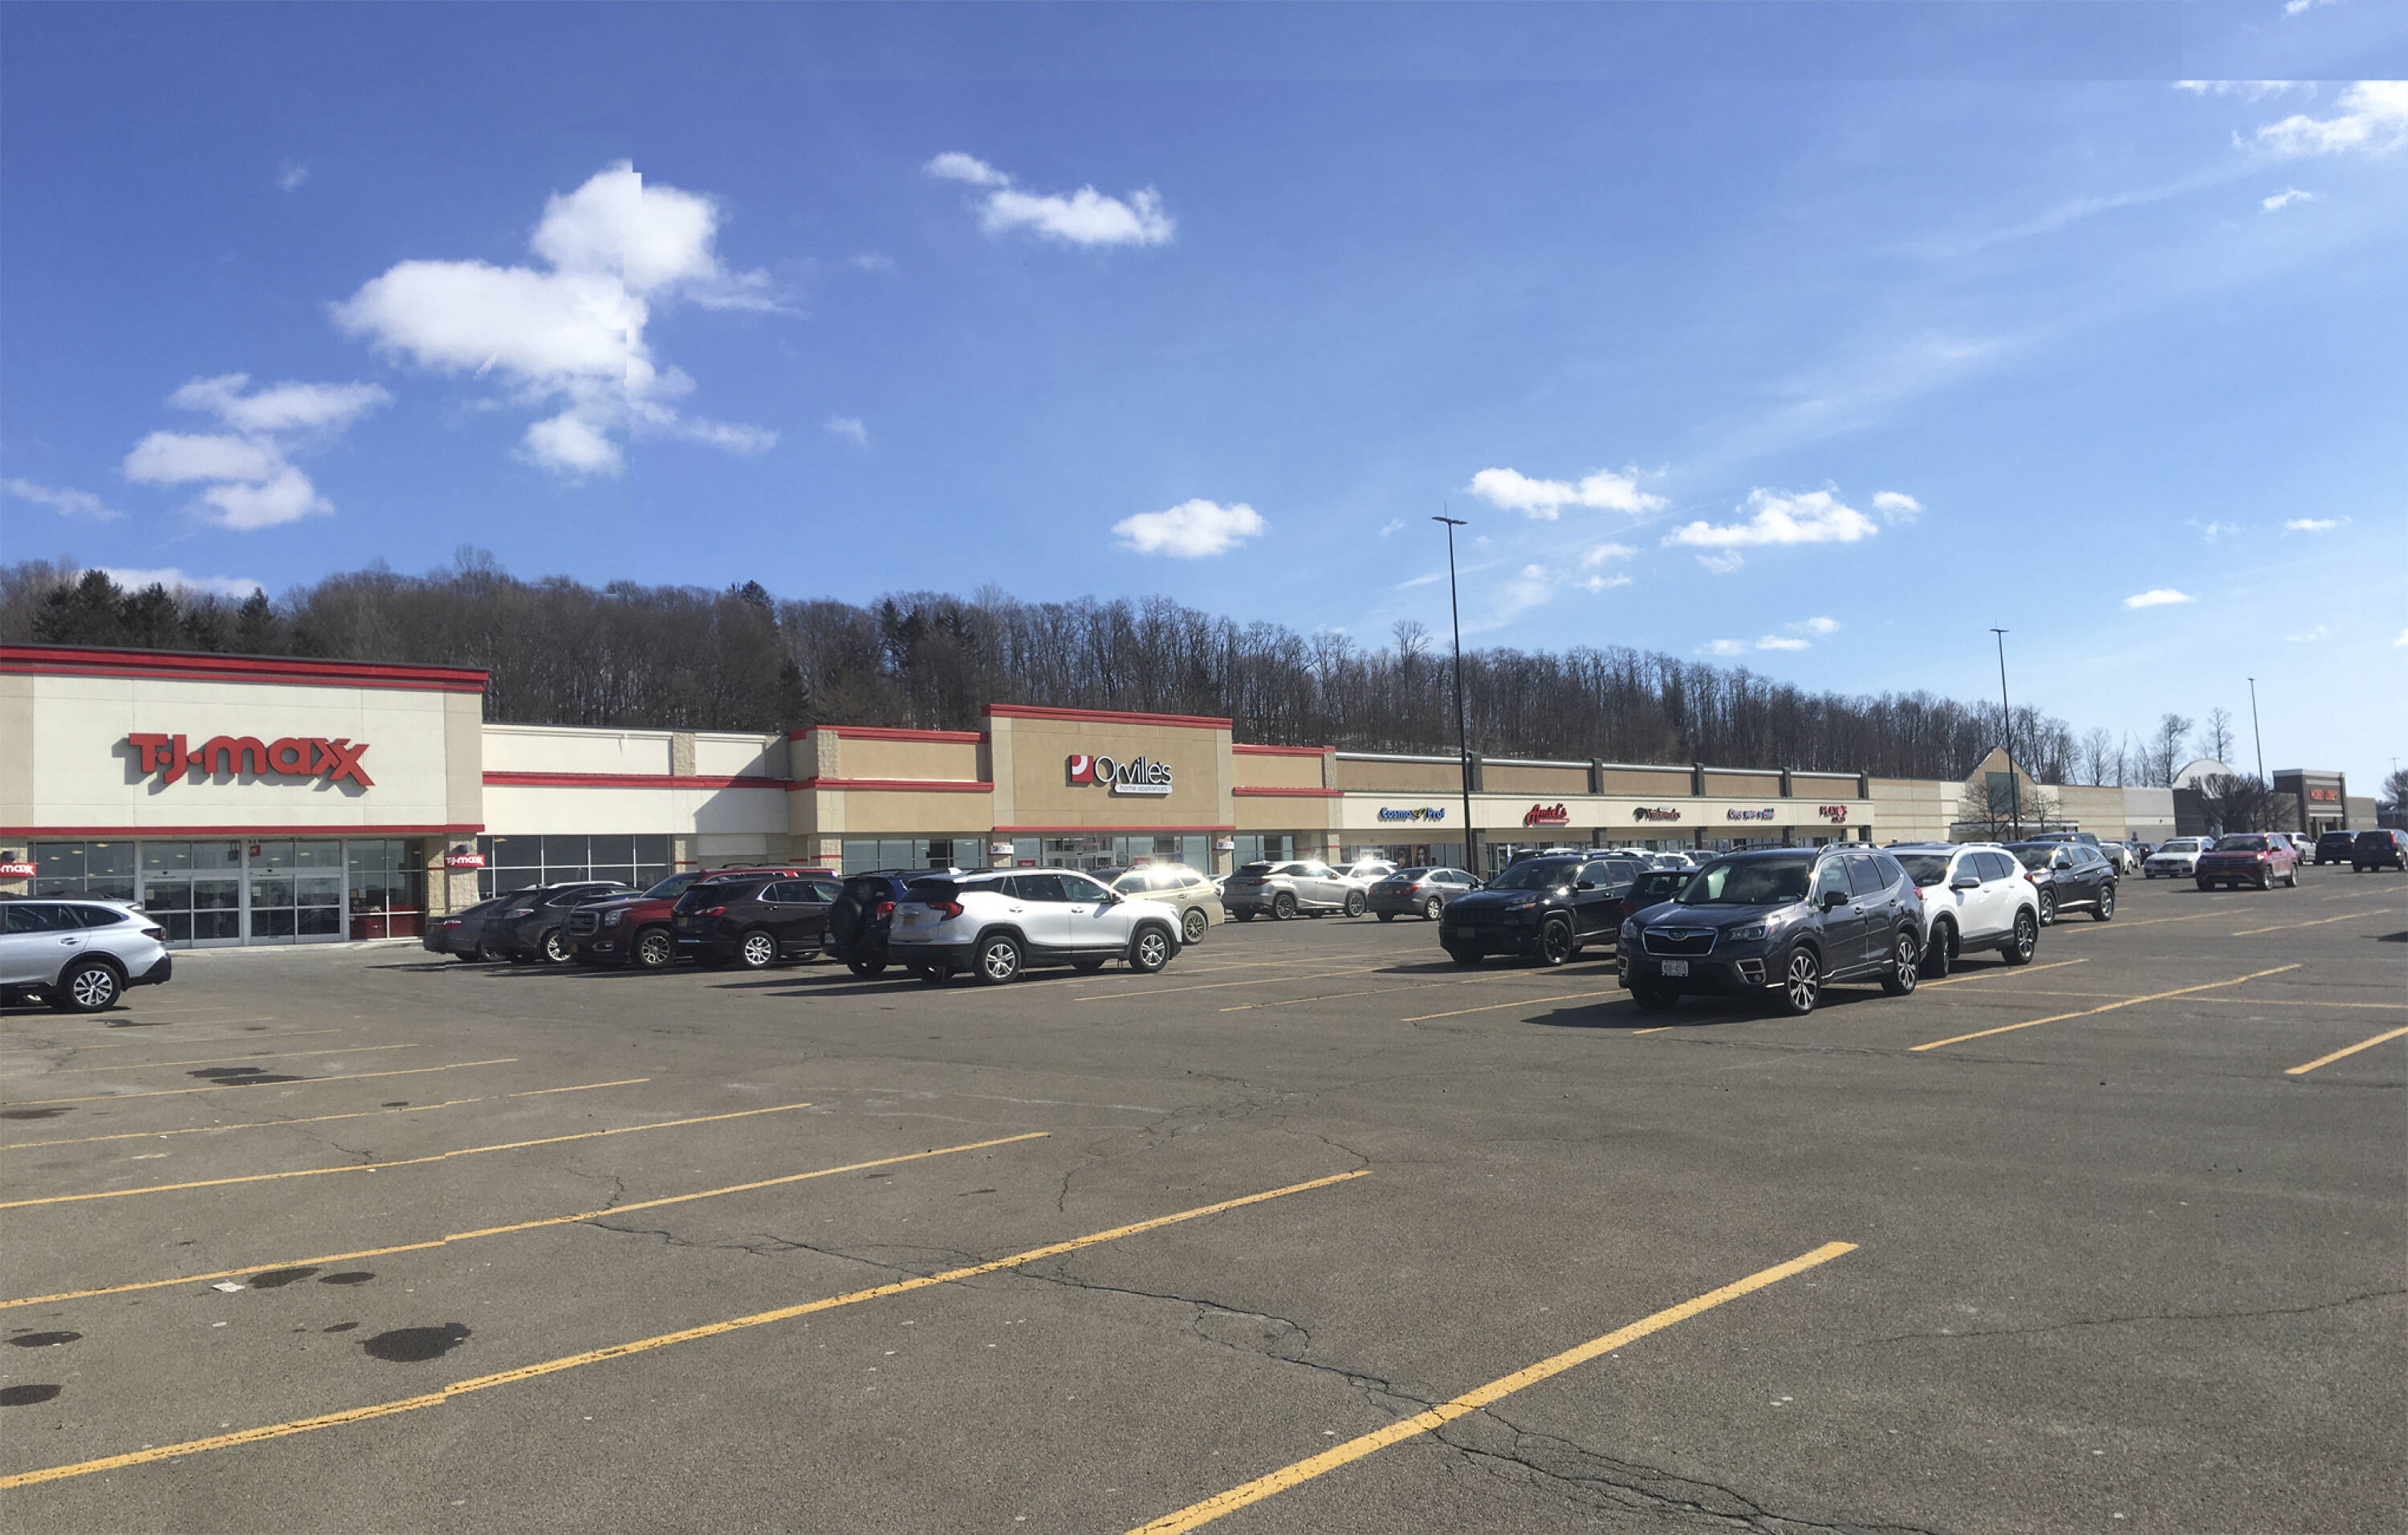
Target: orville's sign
288,756
1764,814
1418,812
1832,812
1136,776
1547,815
1653,812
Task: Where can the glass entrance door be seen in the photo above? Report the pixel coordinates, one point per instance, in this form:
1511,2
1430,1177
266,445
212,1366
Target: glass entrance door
295,891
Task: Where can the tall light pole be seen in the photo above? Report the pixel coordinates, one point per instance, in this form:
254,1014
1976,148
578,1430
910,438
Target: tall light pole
1462,726
2007,717
2255,735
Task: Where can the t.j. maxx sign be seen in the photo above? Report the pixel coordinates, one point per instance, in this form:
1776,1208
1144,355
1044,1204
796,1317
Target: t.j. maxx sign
288,756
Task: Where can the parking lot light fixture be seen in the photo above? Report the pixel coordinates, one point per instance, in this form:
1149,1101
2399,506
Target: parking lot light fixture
2007,720
1462,727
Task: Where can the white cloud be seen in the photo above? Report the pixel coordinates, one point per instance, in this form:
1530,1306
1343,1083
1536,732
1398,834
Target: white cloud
290,177
1817,624
1393,525
2245,90
176,580
2157,596
1605,584
1085,217
66,503
1190,530
2310,637
872,261
250,480
572,335
2402,640
1723,647
2213,531
1598,554
1510,489
2373,116
2284,199
1782,642
1775,517
2312,524
1896,506
848,427
2293,7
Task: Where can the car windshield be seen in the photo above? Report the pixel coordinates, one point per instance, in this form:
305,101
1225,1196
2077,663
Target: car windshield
1924,868
674,885
1757,882
2242,842
1409,874
2033,854
932,892
1255,872
1537,874
2181,845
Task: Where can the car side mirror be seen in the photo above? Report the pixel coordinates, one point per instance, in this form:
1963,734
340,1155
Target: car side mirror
1966,881
1834,898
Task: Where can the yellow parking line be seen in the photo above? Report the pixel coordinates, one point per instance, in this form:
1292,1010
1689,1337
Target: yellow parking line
401,1162
2109,926
229,1087
313,1119
1137,992
2328,1060
128,1045
1196,1515
1525,1002
254,1055
2000,975
2282,926
617,1351
2086,1013
522,1225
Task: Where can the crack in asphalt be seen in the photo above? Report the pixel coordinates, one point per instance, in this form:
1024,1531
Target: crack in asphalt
2138,1318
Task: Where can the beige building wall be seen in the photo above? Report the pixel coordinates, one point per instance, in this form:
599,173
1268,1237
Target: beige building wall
1740,785
1280,768
1399,777
1916,810
1533,778
1031,750
1642,780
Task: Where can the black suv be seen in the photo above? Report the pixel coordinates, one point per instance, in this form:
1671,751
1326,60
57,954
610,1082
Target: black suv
756,922
1782,922
531,928
2379,847
863,912
1543,908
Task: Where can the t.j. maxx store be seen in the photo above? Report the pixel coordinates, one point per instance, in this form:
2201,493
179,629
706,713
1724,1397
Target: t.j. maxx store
273,800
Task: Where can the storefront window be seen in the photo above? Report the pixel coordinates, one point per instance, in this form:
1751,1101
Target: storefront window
1271,846
863,853
386,894
515,863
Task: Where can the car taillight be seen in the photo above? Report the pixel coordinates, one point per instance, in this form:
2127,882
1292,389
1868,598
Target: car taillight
154,932
2031,878
950,909
1919,896
885,909
711,912
522,911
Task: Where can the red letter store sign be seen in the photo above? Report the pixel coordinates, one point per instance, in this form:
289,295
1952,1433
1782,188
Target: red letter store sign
288,756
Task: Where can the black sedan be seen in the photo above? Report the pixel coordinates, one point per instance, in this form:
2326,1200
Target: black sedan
466,934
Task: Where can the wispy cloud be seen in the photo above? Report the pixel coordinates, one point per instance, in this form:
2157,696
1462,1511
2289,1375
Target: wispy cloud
848,427
2285,198
2373,117
66,503
2314,524
2245,90
1393,525
1510,489
2308,637
135,580
2157,596
2214,531
1085,217
872,261
291,175
1896,506
1190,530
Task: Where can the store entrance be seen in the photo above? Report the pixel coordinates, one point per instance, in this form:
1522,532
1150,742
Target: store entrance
219,893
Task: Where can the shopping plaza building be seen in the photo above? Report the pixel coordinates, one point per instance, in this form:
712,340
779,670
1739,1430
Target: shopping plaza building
247,799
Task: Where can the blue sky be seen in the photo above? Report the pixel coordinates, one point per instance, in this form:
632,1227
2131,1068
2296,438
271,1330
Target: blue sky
1817,338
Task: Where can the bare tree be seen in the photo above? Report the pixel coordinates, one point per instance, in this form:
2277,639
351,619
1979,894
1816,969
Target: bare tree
1992,812
2242,802
2100,762
2214,740
2165,748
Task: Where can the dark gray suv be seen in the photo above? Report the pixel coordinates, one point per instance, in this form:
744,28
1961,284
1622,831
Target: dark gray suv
1781,923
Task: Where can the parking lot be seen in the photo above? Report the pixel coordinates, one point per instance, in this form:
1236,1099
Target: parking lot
1311,1232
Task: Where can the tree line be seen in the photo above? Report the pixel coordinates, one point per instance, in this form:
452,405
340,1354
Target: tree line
560,652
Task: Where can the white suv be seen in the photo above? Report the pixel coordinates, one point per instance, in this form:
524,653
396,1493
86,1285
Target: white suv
997,924
79,954
1974,896
2177,859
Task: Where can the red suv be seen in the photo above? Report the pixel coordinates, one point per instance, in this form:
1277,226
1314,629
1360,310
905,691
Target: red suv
2262,858
635,929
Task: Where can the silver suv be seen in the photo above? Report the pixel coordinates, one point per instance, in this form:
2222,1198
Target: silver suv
1297,886
79,954
1974,896
997,924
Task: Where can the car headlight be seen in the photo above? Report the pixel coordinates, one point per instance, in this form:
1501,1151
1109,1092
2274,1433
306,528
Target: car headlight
1630,931
613,919
1747,932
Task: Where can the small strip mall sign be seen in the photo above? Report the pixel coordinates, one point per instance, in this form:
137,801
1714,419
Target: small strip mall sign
288,756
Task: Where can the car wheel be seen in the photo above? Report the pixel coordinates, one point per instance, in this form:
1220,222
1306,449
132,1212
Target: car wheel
2025,941
2292,879
468,958
653,950
2266,878
1557,945
2204,884
1244,914
2047,907
998,960
1282,907
1654,999
2105,909
756,949
91,986
1905,966
554,952
483,954
1150,952
1468,958
1192,926
1801,983
867,969
1086,967
1432,907
1936,953
1356,903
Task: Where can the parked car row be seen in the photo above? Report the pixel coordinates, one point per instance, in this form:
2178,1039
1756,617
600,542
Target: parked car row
79,956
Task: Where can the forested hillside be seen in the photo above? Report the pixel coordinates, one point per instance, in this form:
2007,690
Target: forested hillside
626,654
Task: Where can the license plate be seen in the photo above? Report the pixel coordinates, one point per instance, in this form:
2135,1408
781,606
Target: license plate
1676,966
911,919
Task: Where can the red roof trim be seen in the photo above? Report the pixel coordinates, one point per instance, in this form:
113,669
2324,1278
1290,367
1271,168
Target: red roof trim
237,833
917,785
625,780
1258,790
1100,831
1241,749
1099,716
86,661
867,732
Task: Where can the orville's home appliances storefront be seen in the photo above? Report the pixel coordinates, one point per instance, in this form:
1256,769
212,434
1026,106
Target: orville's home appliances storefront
240,800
